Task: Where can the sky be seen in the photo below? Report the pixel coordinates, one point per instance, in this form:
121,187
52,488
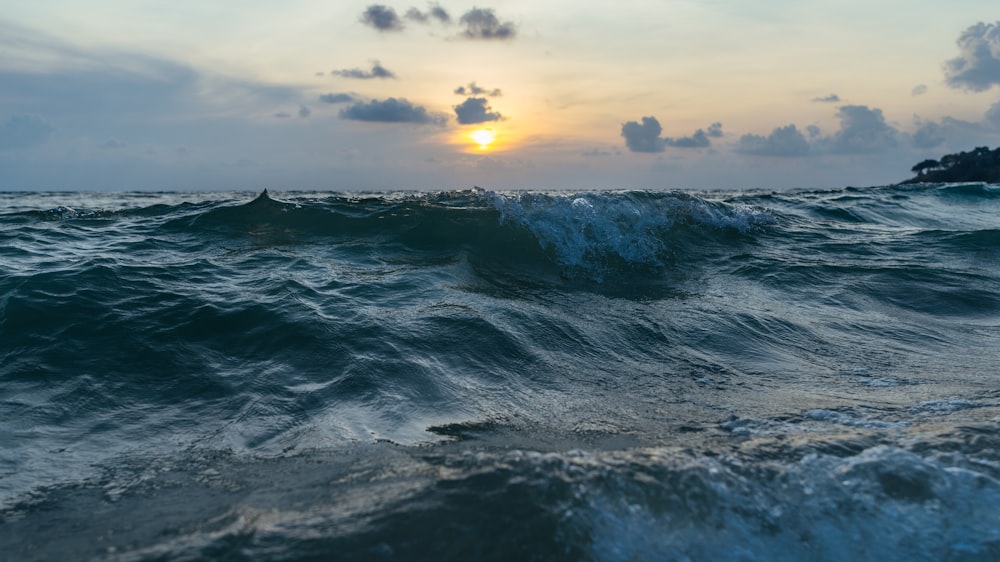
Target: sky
645,94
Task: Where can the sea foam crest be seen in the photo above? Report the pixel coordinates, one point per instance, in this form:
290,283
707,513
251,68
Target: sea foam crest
876,505
596,230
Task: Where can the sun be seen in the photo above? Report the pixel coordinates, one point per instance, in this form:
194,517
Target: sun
483,137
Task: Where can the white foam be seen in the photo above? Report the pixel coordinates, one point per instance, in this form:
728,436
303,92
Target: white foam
852,420
945,406
882,504
581,230
585,230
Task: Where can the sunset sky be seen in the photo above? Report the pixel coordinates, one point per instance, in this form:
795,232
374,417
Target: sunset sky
664,94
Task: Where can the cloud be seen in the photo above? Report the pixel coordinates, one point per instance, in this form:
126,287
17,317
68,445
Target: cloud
304,111
282,115
699,139
482,23
919,90
88,95
336,98
832,98
417,16
434,12
928,135
476,110
992,117
977,68
391,110
957,133
382,18
99,85
862,130
473,90
377,71
643,137
24,131
439,13
597,153
479,23
783,141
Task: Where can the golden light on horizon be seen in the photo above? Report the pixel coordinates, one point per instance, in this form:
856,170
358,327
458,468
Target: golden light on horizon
482,140
483,137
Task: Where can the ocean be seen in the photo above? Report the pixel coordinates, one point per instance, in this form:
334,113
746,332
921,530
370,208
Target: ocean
488,375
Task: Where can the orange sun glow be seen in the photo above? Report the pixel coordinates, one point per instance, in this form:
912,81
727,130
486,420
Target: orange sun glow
483,137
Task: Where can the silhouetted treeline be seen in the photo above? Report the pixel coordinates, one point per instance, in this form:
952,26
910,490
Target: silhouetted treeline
979,164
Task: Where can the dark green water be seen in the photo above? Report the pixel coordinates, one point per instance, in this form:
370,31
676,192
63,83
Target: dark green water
498,376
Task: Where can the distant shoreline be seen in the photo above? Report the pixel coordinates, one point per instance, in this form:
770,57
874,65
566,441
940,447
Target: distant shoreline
978,165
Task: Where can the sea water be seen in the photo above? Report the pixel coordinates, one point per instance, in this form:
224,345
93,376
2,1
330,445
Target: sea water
480,375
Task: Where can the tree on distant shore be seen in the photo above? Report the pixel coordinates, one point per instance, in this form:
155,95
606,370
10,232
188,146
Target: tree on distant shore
978,164
928,164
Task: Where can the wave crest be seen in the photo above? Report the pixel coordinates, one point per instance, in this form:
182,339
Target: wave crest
595,231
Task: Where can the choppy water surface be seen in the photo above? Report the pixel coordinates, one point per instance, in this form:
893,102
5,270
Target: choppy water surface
477,375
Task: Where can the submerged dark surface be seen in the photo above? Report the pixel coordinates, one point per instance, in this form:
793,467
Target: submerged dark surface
475,375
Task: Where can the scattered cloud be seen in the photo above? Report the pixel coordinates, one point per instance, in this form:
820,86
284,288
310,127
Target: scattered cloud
862,130
598,153
435,12
919,90
992,117
391,110
83,96
473,90
928,135
977,68
698,139
482,23
304,111
783,141
956,133
644,137
100,85
382,18
377,71
339,97
476,110
832,98
439,13
24,131
282,115
416,15
479,23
